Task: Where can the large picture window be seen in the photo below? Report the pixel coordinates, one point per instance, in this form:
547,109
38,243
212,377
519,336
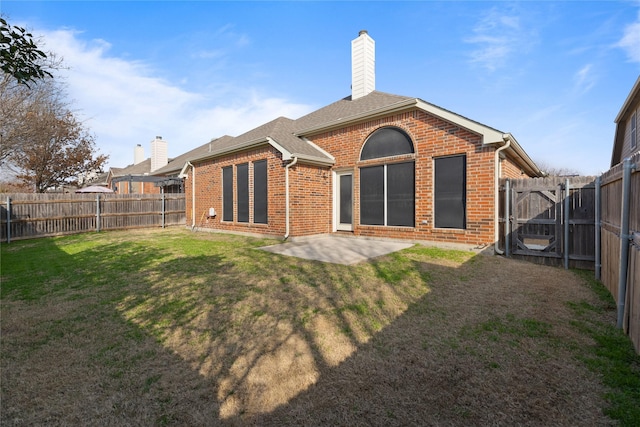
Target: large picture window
387,191
260,200
227,193
450,192
387,195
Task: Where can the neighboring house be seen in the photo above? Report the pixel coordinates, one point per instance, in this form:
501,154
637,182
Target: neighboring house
173,182
627,137
139,178
371,164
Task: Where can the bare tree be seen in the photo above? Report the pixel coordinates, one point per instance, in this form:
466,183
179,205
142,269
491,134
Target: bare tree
556,171
42,141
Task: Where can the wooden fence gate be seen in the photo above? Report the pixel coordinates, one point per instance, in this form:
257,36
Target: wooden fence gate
550,220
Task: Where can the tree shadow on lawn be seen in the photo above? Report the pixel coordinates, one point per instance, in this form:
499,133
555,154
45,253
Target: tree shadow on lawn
69,359
215,332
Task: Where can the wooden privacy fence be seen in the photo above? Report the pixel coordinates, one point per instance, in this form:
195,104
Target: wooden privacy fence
27,216
620,242
583,222
549,220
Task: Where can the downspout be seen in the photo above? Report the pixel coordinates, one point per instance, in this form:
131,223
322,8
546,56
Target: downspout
193,197
193,191
286,185
496,180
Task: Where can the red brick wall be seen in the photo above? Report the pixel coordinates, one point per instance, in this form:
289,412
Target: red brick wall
311,203
511,170
209,192
432,138
311,200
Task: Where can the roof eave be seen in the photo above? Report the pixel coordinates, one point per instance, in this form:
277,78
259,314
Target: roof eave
528,164
313,160
627,102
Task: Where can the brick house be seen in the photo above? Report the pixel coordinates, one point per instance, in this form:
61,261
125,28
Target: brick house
627,137
371,164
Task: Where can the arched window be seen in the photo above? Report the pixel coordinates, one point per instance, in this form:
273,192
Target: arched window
387,191
386,142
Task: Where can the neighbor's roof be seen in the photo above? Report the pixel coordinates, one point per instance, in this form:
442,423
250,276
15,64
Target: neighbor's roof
618,141
138,169
176,164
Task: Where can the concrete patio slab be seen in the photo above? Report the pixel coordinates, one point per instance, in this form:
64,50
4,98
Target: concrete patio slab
336,249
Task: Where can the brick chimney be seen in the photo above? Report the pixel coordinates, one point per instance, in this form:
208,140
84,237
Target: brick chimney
363,64
158,153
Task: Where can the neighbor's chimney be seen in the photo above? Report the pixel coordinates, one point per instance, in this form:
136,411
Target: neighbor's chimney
363,65
138,154
158,153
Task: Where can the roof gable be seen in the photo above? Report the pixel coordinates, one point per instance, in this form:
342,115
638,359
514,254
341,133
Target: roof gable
621,120
289,137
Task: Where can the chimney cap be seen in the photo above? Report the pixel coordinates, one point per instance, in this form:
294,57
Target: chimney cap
363,32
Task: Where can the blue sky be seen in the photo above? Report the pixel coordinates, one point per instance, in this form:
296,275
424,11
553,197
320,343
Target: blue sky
554,74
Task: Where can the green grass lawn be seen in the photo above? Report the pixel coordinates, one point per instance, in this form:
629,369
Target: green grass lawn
169,327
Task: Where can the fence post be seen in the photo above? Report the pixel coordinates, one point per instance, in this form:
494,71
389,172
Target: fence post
566,224
507,215
97,212
163,208
624,239
8,219
598,261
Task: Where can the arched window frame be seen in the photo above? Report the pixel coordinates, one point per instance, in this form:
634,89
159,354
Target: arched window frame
371,139
387,189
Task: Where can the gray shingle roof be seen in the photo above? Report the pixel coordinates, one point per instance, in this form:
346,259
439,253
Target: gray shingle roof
285,132
346,108
137,169
279,131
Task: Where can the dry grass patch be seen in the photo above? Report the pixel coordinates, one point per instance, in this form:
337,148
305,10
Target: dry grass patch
174,328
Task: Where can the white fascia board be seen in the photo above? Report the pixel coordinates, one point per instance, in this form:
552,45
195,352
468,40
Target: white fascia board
183,172
489,135
627,102
317,147
313,160
517,149
286,155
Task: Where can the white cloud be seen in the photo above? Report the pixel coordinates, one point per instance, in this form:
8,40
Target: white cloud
630,41
498,36
125,103
584,79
